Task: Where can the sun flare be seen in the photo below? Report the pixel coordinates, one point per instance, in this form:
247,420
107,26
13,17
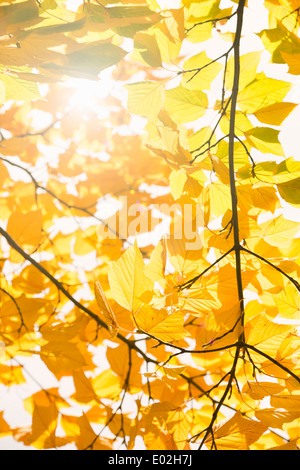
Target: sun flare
86,92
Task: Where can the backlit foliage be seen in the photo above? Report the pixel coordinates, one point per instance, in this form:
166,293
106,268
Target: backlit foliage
113,333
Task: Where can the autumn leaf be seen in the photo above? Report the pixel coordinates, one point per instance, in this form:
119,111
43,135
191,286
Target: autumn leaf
237,433
272,336
18,89
258,391
262,91
275,113
173,370
145,98
176,421
44,423
86,438
106,309
185,105
161,324
4,426
289,191
127,279
279,230
62,358
26,228
200,80
88,61
155,269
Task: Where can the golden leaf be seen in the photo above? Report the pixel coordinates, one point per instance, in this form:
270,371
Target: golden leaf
106,310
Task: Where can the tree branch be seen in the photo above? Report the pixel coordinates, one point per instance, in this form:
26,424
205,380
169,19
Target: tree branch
235,90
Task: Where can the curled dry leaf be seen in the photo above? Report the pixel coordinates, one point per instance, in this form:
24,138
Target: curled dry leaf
106,309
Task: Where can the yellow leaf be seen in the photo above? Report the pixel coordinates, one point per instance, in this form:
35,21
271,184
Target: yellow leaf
270,441
178,426
293,61
236,433
84,389
169,49
159,411
287,402
11,375
186,261
18,89
262,92
86,62
276,417
288,302
269,335
220,169
248,64
62,358
30,310
155,269
203,79
4,426
44,422
292,445
118,421
157,439
169,141
175,419
199,140
106,309
146,50
242,124
88,439
218,197
23,11
185,105
122,364
265,139
26,229
173,370
145,98
44,398
259,390
79,430
264,197
290,191
174,22
289,346
177,181
106,384
127,279
279,231
4,175
85,241
275,114
161,324
30,281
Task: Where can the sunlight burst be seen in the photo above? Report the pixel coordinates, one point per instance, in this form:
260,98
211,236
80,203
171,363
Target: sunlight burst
86,92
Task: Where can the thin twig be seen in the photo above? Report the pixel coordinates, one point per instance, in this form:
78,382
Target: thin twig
188,284
213,20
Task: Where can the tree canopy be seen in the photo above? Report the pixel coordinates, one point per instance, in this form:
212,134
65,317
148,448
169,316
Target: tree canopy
149,225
